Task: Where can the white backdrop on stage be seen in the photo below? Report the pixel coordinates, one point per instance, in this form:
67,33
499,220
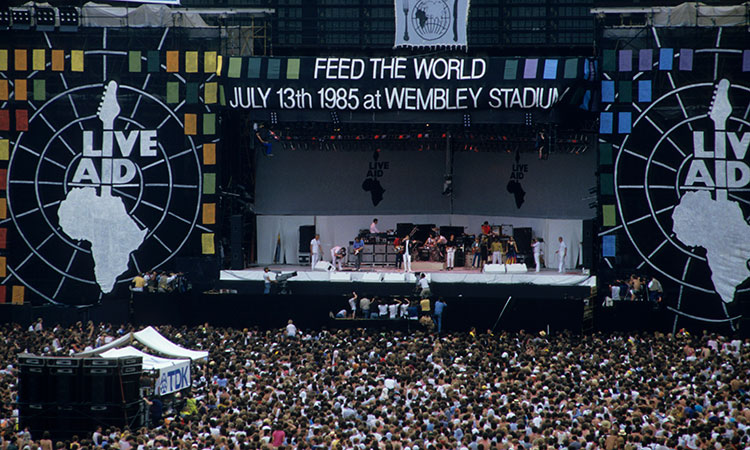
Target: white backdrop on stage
340,230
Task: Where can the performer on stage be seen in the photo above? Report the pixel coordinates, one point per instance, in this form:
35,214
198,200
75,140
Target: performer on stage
497,251
315,250
562,253
476,251
337,255
511,256
450,253
358,246
374,226
537,248
397,245
406,243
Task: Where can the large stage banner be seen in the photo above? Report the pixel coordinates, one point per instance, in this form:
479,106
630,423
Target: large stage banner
431,23
675,169
107,148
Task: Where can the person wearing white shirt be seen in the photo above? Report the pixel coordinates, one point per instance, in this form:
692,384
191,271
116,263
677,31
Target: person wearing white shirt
537,247
562,253
406,243
315,250
291,329
374,227
337,254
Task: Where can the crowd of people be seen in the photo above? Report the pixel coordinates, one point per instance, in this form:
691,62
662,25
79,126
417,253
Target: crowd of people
365,389
161,282
635,288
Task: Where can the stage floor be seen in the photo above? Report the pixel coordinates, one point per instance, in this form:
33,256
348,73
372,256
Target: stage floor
546,277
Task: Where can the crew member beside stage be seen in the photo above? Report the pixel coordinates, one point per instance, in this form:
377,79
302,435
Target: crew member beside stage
315,250
537,247
450,253
337,255
358,247
268,278
374,227
562,252
424,286
497,251
406,244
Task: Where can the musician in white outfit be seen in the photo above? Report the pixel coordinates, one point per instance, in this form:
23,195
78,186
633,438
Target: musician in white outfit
407,253
562,253
337,255
537,247
315,250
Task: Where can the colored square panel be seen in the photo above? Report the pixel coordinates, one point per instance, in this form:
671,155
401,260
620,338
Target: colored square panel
134,61
666,57
22,120
222,97
3,295
530,68
209,154
292,69
209,62
4,120
40,90
686,59
4,150
550,69
605,154
21,90
3,238
209,183
3,60
18,294
511,69
191,93
608,60
235,67
605,123
274,68
76,61
173,92
253,67
4,90
38,59
626,60
3,267
571,68
3,208
609,246
173,61
608,91
210,93
606,184
20,60
645,59
207,243
191,62
624,122
746,60
644,90
609,215
191,124
625,91
209,123
58,60
3,180
154,61
209,213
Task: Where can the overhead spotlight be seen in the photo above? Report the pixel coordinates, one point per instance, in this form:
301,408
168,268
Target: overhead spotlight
21,18
335,118
4,18
467,120
69,20
274,118
529,120
45,18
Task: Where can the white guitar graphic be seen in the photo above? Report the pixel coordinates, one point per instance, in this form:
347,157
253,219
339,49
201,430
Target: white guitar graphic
109,109
719,112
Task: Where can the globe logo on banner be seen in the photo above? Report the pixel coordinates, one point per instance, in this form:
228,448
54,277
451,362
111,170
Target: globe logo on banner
431,19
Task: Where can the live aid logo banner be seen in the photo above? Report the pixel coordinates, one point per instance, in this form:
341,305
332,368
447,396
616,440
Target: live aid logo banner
431,23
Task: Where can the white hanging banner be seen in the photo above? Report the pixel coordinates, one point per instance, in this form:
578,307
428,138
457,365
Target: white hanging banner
431,23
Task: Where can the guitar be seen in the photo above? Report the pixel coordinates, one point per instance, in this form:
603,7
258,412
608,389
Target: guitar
719,112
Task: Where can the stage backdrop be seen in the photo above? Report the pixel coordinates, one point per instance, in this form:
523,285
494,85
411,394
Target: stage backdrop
675,167
410,182
107,145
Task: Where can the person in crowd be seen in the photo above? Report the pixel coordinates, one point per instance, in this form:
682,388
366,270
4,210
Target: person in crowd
655,291
438,313
364,304
353,304
138,284
291,329
424,286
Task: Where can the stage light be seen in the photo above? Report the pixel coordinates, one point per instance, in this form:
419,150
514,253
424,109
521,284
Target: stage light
335,118
467,120
274,118
529,120
45,18
68,18
4,19
21,18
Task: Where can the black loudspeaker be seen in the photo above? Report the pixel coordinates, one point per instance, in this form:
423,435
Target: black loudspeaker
306,234
588,243
235,241
522,236
64,380
33,380
448,231
402,229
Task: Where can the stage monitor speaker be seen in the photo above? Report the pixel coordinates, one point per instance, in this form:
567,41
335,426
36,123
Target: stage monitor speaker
324,266
235,242
588,243
522,237
306,234
494,268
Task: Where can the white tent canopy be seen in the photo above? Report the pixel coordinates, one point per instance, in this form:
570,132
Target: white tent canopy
150,362
153,340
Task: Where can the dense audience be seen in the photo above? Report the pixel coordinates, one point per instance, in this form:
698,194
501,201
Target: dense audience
360,389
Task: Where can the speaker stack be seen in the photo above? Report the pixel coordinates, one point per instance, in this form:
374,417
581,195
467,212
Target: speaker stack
68,396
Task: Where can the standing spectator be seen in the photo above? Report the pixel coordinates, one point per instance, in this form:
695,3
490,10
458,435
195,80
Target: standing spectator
438,314
278,436
364,304
425,307
138,283
291,329
424,286
353,304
